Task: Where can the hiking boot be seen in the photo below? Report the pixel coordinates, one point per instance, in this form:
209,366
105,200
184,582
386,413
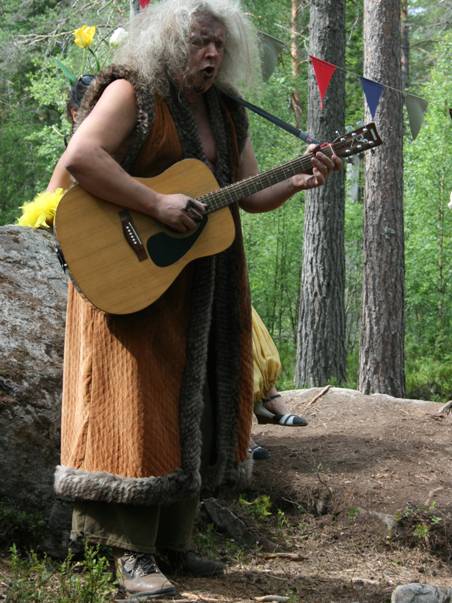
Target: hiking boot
139,575
188,562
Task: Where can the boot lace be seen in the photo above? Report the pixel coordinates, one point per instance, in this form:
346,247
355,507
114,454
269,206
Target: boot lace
139,564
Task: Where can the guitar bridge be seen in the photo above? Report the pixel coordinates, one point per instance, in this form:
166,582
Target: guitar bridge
131,235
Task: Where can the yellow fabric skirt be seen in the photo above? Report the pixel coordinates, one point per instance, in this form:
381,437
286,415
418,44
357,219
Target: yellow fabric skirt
266,361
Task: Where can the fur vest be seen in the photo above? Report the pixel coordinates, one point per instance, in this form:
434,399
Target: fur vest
134,387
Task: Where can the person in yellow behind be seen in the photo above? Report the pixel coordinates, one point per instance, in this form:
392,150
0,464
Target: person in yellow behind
269,407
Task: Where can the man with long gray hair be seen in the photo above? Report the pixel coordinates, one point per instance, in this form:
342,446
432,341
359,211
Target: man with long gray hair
155,399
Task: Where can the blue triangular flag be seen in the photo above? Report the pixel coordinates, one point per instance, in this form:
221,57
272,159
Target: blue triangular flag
373,91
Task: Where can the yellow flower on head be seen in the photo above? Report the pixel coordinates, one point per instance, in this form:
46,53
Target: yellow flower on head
40,212
84,35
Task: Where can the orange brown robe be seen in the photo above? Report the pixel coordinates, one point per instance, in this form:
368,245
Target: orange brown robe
134,386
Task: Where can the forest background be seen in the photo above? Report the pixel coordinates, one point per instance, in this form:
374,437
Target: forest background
37,35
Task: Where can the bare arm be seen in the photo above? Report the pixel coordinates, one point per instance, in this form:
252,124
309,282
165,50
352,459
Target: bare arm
60,178
89,159
274,196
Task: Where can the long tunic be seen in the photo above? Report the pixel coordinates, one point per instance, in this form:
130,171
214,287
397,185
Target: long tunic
133,387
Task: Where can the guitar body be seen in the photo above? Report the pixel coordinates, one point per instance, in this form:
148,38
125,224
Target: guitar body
106,267
123,261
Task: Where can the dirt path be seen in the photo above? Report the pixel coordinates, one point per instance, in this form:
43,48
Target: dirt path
338,482
346,509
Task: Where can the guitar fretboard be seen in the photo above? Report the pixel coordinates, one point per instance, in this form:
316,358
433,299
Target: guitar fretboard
239,190
360,140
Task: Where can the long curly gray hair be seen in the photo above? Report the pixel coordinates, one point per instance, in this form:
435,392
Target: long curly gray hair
158,42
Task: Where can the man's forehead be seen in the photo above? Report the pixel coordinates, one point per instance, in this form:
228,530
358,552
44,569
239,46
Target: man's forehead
207,25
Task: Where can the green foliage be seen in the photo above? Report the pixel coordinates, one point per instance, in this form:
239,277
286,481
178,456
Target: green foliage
259,508
273,241
20,526
429,378
421,531
39,580
36,35
211,544
428,239
353,60
426,526
428,20
33,90
353,513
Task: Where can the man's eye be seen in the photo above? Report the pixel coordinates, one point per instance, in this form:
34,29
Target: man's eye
201,42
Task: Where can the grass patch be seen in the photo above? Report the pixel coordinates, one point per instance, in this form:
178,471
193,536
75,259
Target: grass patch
37,579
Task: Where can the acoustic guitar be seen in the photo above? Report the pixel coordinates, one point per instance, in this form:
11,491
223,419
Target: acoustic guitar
122,261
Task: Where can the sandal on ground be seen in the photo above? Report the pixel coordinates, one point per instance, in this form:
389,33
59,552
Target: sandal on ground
259,453
265,416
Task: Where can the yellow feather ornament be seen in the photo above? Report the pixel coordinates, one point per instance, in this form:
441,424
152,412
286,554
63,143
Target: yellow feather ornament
40,212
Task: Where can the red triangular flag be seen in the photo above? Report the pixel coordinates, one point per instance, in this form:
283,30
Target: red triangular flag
144,3
323,73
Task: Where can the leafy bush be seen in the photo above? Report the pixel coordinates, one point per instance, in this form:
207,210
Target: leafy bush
23,527
429,378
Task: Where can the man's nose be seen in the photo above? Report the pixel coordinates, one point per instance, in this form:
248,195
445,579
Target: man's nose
212,50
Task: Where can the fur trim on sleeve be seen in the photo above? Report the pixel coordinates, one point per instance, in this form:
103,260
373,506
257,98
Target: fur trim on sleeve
145,106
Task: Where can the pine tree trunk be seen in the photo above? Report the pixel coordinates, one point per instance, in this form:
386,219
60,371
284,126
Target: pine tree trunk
382,336
405,44
295,61
321,329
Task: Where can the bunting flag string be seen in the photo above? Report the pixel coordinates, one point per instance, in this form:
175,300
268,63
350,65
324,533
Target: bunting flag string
324,71
416,106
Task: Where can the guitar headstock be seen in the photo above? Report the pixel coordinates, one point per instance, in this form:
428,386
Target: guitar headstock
360,140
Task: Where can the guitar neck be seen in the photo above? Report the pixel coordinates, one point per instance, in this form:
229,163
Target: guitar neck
362,139
239,190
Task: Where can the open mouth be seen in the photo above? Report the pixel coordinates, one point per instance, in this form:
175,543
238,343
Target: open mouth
208,72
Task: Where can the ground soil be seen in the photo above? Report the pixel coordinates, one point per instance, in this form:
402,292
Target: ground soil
361,463
359,501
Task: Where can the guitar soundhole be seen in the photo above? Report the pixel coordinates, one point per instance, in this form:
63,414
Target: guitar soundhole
165,248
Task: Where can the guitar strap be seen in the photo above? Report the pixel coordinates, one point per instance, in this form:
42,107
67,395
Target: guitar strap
305,136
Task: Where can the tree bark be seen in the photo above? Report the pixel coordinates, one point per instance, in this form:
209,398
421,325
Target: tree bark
382,335
321,329
405,44
295,61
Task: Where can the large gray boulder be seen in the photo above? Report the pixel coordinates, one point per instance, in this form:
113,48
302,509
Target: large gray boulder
32,301
421,593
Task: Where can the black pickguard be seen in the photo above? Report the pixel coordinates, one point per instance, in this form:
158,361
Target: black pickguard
165,248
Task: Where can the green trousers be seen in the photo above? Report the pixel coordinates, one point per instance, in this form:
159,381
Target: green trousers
136,528
146,529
